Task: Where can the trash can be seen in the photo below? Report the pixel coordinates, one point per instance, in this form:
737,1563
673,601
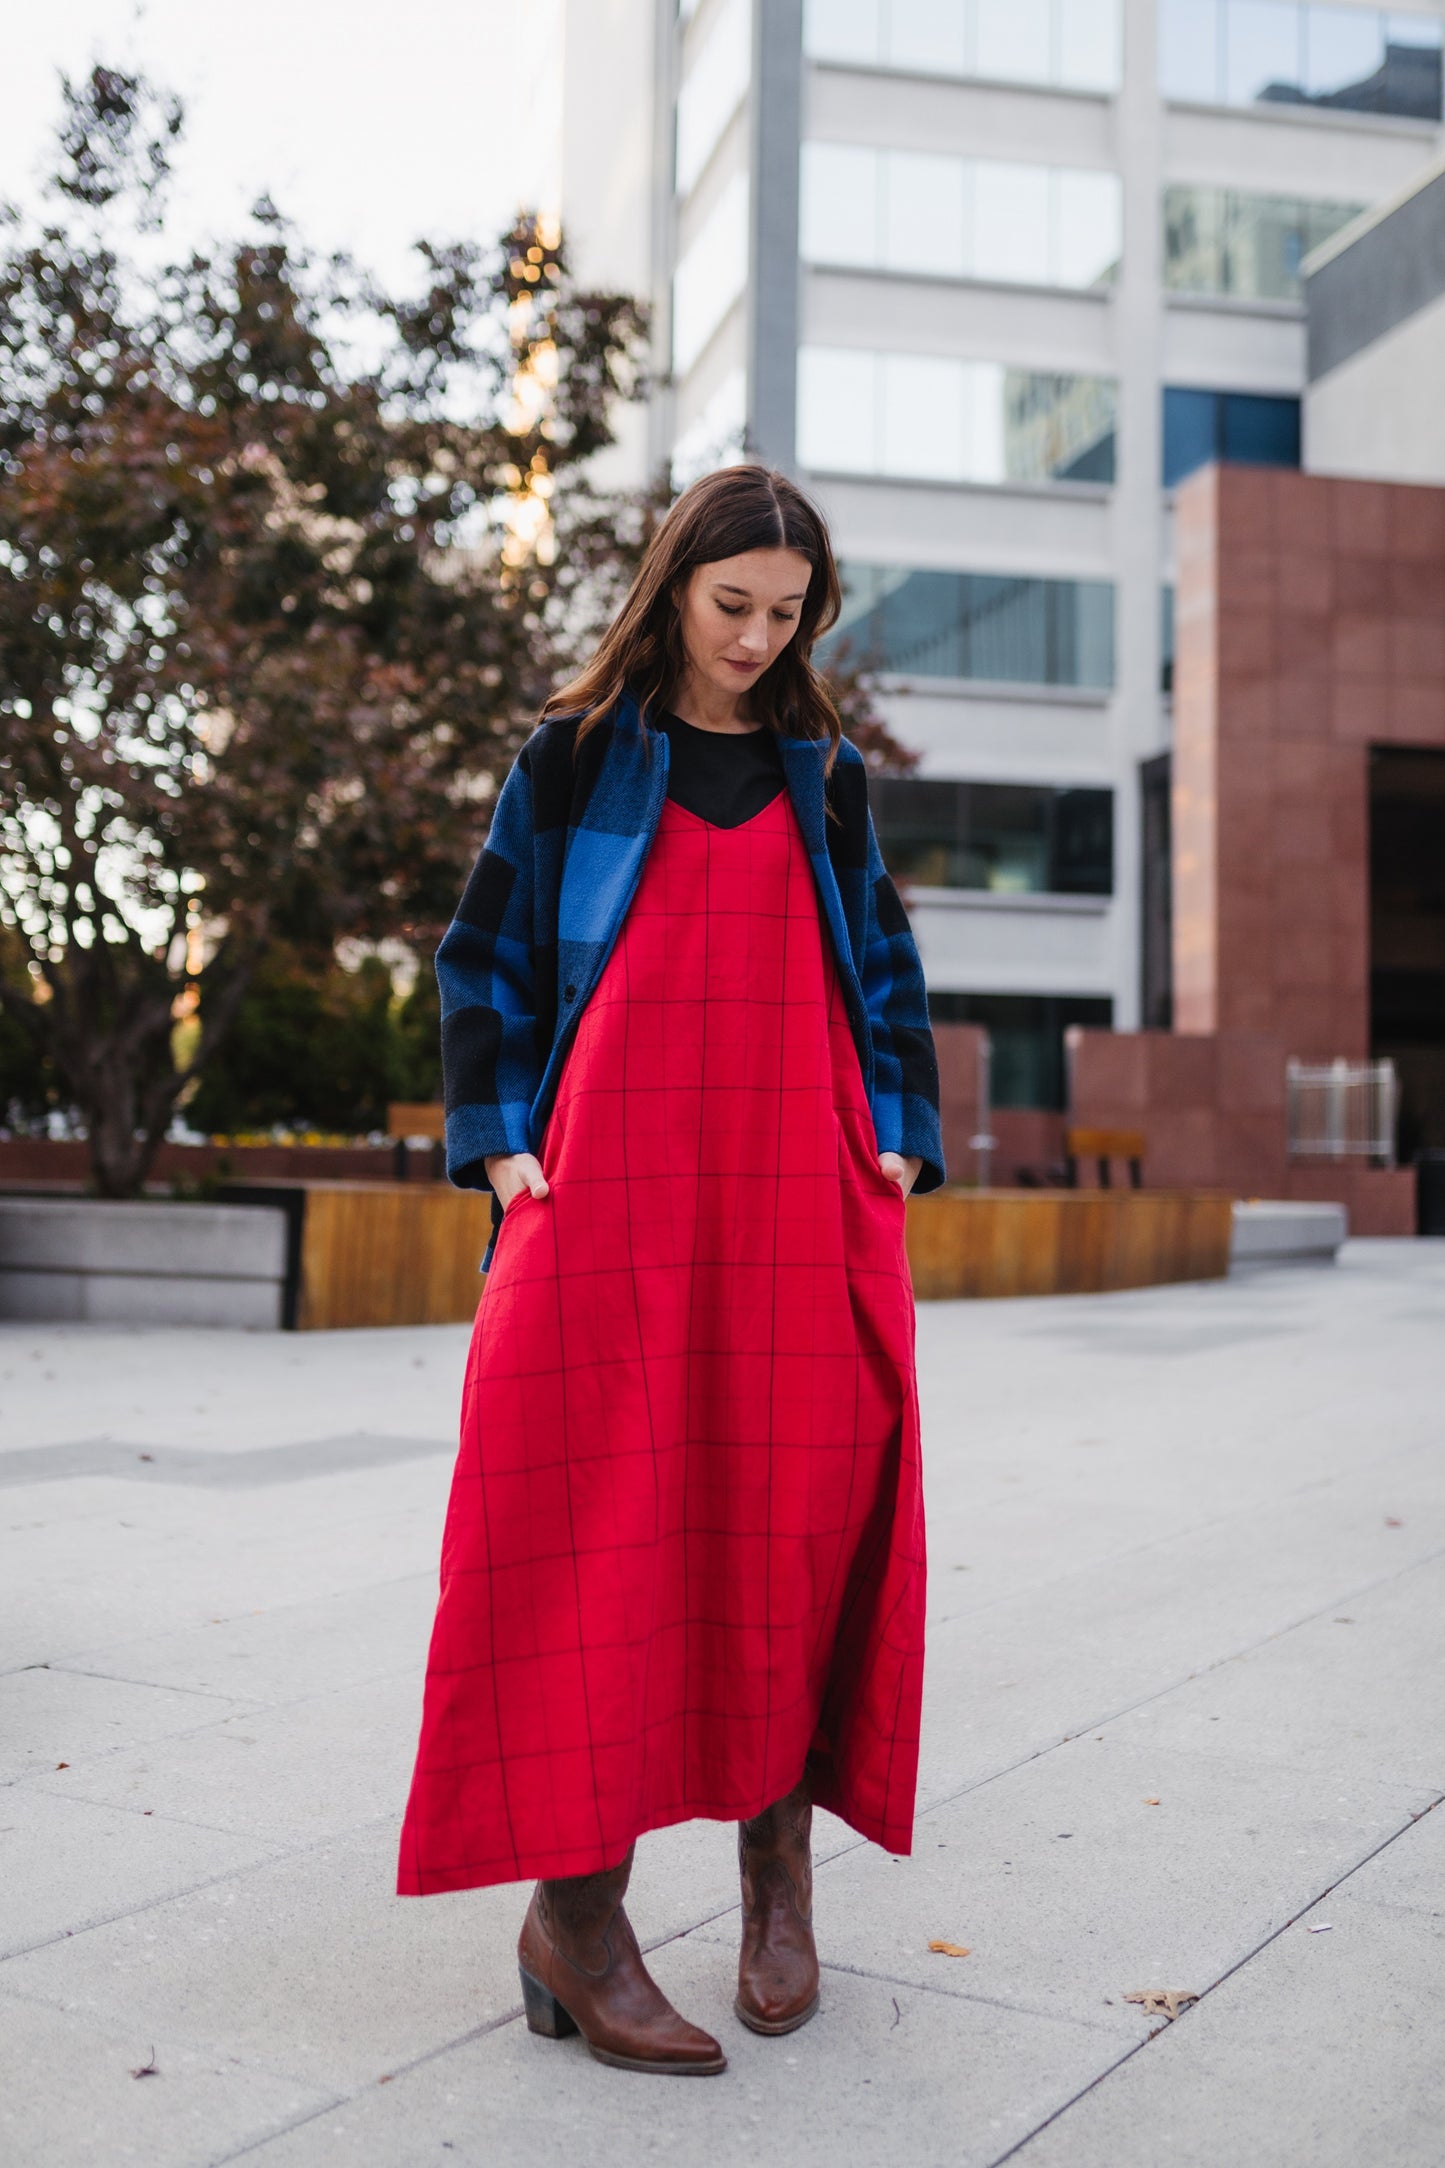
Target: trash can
1430,1192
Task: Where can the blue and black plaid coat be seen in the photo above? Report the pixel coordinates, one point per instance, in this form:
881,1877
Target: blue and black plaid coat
546,900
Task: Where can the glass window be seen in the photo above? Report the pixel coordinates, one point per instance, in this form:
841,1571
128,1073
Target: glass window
1088,228
921,426
1011,223
1166,639
949,217
938,418
1058,428
1190,46
1026,1031
837,410
1412,84
712,89
1071,42
1223,241
1251,427
927,36
1261,50
838,204
1191,432
1344,48
979,625
848,30
715,437
1238,52
923,213
711,274
1262,432
1006,838
1012,42
1087,43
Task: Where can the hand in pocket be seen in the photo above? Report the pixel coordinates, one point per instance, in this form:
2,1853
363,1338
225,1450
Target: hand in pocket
512,1172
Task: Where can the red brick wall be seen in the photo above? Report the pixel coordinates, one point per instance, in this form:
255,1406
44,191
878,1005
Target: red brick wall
1212,1109
1310,624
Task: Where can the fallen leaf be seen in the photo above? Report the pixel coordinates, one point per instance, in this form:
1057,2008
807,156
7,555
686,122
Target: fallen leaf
1393,1521
1162,2001
145,1456
147,2070
949,1949
62,1765
1151,1802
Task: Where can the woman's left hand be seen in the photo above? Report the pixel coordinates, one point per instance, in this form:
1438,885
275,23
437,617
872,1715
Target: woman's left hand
895,1168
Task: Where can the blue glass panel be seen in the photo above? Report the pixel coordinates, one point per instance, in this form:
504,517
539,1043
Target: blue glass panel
1191,432
1265,432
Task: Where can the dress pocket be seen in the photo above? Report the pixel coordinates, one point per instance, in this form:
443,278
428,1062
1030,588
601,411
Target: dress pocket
861,1149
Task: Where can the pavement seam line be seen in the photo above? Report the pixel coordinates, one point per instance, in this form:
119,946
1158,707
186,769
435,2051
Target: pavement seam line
349,2100
1308,1618
1238,1966
955,1994
192,1889
115,1678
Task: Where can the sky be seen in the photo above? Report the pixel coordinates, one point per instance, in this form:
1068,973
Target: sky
368,123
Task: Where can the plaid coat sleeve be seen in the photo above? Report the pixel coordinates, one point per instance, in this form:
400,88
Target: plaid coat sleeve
491,1002
905,1088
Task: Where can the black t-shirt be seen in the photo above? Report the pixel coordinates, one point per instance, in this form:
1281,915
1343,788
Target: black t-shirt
723,776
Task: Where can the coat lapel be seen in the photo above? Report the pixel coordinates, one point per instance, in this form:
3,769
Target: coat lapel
803,760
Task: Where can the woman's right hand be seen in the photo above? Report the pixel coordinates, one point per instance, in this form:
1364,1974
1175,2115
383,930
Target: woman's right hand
511,1172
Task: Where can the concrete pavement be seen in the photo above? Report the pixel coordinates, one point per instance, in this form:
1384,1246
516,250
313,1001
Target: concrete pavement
1185,1730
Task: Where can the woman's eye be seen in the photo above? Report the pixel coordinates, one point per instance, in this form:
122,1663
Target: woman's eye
731,609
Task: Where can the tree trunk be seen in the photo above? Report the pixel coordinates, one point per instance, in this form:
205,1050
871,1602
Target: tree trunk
120,1154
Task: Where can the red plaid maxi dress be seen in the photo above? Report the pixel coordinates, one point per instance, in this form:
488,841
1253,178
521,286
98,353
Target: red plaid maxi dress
684,1549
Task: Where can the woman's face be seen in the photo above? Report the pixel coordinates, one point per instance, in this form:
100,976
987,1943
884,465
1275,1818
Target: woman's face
738,613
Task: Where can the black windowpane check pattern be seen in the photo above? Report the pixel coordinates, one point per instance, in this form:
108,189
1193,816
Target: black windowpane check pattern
684,1551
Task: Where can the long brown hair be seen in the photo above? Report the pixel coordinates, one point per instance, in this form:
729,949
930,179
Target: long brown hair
720,515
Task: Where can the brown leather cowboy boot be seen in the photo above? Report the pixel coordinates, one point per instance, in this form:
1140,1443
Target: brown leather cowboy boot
778,1964
583,1972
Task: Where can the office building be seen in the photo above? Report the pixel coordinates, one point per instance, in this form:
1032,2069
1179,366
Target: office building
992,277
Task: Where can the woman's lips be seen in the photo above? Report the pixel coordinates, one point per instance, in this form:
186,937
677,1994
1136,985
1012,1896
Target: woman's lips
739,665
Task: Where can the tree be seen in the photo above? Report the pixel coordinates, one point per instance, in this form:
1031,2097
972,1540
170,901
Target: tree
315,1045
277,593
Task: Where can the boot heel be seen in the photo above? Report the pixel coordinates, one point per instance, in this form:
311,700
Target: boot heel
545,2014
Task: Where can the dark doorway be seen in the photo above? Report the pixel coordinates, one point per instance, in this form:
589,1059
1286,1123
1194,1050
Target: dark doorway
1156,911
1027,1030
1407,935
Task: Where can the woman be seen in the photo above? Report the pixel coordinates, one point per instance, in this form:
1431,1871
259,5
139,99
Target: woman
686,1046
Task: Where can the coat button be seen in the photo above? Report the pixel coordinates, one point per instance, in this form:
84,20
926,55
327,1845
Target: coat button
569,993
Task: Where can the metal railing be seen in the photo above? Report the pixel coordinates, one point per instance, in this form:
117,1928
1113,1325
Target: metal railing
1342,1110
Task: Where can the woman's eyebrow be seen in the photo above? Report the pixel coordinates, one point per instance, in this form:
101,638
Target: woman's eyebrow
726,587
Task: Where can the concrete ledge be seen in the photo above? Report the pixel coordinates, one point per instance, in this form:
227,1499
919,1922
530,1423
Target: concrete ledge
151,1262
1271,1231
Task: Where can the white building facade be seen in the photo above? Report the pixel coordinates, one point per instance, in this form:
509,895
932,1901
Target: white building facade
989,276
